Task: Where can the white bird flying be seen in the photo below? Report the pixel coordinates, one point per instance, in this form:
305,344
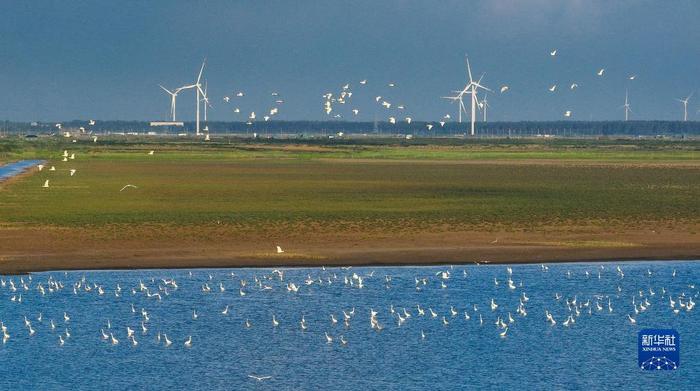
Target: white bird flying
504,88
553,53
128,186
259,378
601,71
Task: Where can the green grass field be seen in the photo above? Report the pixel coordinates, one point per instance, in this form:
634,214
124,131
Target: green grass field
403,186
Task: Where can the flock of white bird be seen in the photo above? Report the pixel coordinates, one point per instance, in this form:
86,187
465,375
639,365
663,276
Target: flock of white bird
333,101
571,308
66,157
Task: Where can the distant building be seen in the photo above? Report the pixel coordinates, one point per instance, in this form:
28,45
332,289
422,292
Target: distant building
167,123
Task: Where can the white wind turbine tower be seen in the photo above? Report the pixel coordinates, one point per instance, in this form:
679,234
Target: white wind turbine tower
484,105
173,98
462,108
205,99
199,91
198,86
473,88
685,106
626,106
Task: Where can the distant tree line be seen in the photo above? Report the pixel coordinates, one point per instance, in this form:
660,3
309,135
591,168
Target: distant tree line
416,128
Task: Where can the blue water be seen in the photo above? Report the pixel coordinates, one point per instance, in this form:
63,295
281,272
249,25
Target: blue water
598,351
11,169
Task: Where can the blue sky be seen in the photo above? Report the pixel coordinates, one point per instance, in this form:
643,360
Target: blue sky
63,60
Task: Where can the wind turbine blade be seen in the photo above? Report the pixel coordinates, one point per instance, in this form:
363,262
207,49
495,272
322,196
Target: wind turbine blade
201,70
165,89
469,70
482,87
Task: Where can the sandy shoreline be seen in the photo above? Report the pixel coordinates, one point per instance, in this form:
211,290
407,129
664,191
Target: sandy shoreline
26,250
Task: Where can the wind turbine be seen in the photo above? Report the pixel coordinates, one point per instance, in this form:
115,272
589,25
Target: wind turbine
685,106
458,98
205,99
199,91
484,105
173,98
198,86
472,88
626,106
